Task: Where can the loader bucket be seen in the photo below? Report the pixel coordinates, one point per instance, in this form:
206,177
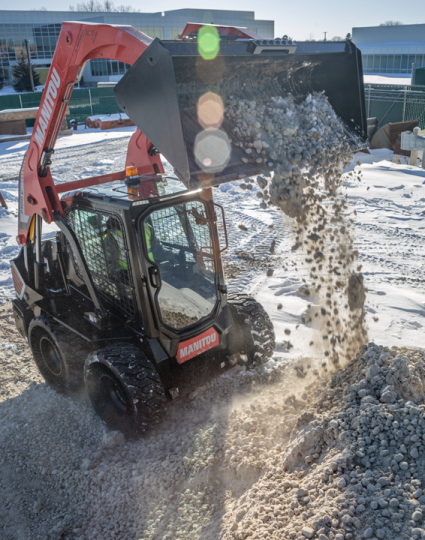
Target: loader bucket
163,90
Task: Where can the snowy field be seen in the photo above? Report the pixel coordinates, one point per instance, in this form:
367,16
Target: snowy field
390,233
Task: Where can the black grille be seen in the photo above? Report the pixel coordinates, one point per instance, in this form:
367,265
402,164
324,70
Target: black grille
103,243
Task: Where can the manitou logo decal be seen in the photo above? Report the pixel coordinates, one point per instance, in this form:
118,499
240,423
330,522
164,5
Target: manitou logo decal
197,345
48,107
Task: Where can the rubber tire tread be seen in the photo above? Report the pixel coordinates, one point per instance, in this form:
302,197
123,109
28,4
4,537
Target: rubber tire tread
250,315
141,381
73,351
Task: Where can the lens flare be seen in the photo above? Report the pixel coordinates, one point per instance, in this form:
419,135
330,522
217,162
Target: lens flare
211,71
210,110
212,150
208,42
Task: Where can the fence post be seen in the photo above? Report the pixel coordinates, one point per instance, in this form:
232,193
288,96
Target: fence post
368,103
404,103
91,104
414,153
20,100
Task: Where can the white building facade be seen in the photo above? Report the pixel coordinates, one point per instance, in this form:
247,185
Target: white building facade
391,50
42,29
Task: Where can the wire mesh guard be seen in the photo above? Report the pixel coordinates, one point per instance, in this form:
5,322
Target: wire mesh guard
391,103
103,243
185,227
181,245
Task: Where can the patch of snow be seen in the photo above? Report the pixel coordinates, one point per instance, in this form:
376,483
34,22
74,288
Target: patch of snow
387,79
7,90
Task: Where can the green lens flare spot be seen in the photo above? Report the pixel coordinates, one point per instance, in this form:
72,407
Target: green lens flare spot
208,42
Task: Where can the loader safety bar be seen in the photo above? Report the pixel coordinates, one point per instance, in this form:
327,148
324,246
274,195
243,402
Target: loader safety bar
224,227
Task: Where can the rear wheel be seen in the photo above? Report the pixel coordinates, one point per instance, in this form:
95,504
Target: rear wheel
58,353
253,334
124,388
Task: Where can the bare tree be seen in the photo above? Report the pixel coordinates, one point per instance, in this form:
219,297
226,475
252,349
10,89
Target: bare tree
311,37
126,9
337,38
95,5
391,23
108,6
90,5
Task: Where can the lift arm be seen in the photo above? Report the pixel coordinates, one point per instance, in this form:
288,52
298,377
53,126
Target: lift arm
77,43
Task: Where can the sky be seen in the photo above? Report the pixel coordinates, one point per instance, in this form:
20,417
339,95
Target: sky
302,19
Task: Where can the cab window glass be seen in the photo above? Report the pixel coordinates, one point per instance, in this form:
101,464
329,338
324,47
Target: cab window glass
178,239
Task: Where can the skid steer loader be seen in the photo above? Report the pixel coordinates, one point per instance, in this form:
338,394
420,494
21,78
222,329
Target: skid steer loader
129,297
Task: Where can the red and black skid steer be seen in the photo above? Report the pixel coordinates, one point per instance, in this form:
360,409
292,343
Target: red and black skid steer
129,297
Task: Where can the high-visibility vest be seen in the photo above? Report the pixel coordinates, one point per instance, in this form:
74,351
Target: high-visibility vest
122,260
148,236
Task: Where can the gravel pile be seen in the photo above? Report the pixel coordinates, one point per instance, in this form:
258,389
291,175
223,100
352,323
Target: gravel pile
354,466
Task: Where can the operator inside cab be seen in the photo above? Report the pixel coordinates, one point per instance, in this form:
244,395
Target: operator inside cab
115,249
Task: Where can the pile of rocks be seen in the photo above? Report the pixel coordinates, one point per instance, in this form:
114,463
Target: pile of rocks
341,460
354,467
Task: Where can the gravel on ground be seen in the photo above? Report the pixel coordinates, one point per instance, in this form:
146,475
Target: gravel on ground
282,451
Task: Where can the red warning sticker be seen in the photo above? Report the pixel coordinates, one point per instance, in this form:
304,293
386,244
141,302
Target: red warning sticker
197,345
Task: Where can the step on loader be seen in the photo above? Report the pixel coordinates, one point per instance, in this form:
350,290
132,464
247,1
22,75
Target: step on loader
128,298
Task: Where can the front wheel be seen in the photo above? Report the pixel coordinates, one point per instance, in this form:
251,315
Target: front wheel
124,388
58,353
253,333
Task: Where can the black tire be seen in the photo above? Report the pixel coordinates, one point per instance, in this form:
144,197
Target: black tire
124,388
58,353
254,333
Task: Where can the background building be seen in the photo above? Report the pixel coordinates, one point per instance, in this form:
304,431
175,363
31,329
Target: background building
42,29
391,50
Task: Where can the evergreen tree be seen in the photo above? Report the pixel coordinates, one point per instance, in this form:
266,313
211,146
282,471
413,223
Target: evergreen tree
21,75
1,80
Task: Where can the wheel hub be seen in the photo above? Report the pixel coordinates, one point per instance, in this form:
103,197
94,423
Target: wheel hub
111,391
50,356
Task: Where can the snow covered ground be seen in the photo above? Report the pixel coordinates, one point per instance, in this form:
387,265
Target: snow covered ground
7,90
390,234
387,79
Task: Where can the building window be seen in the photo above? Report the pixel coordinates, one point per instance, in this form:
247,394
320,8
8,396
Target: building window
404,63
176,32
253,30
391,63
42,38
101,67
152,31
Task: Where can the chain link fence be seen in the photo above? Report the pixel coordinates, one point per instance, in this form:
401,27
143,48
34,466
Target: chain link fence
389,103
84,102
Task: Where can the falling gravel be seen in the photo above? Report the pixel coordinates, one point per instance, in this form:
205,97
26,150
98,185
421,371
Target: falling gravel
304,148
